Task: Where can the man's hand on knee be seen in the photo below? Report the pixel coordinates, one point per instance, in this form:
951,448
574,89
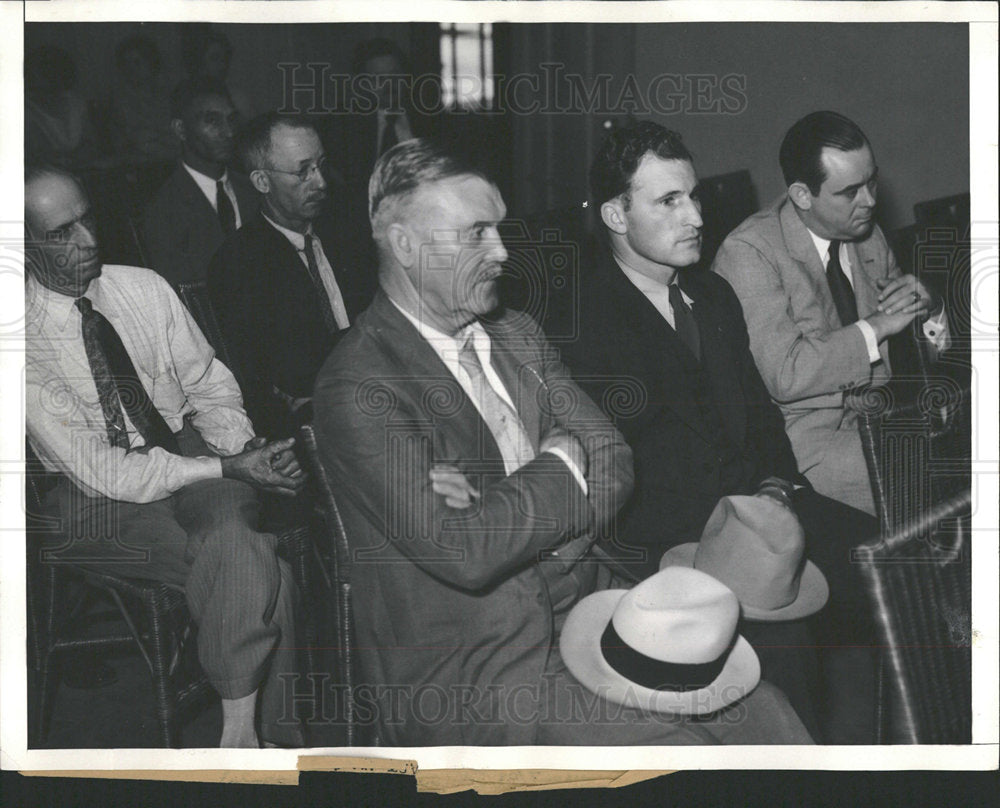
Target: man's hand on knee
268,466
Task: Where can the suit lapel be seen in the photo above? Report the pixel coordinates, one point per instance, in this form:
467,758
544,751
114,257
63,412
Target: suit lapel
435,392
802,248
864,270
666,366
193,201
717,355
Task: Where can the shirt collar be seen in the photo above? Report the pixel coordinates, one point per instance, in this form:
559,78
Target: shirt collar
822,245
298,240
649,286
42,302
203,180
446,344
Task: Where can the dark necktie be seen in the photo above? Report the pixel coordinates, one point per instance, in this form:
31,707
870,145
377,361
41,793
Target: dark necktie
118,384
389,137
324,299
684,324
840,287
227,216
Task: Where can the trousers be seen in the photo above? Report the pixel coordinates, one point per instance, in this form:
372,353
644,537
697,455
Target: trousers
204,540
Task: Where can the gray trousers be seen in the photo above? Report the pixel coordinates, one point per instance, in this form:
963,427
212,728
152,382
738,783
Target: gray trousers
202,539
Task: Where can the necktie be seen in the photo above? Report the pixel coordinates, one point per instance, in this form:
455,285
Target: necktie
324,299
389,137
684,323
500,417
227,216
118,384
840,287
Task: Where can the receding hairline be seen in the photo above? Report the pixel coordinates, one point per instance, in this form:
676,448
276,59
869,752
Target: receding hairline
46,174
404,199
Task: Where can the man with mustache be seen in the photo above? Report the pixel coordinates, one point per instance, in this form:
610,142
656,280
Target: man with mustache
473,477
822,293
202,202
145,430
288,283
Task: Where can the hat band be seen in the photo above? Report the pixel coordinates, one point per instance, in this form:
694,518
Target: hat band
656,674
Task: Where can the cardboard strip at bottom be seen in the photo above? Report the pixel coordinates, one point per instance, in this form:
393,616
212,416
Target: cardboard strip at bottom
439,781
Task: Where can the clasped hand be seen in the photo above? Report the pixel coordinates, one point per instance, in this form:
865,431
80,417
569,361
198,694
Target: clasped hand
270,466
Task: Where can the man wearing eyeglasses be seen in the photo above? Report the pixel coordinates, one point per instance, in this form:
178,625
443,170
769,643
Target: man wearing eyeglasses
290,281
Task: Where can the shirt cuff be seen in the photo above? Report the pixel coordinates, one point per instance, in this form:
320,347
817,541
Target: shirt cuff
870,340
574,469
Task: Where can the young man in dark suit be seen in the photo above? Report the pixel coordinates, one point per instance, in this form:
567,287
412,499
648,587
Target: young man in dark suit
661,345
202,202
289,283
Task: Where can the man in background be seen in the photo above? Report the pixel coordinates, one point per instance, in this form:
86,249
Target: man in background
202,202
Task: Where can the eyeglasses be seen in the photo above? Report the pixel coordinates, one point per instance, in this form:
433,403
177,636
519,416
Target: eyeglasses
304,174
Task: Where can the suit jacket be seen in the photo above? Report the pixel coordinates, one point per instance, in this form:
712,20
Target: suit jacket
459,600
698,432
181,230
270,315
808,360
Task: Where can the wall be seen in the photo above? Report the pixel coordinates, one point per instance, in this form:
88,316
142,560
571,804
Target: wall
905,85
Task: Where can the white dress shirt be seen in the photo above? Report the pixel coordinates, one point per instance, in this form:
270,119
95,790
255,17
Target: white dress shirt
448,349
333,293
174,363
657,293
208,187
935,328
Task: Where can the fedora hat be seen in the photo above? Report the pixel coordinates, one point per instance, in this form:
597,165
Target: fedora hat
756,547
667,645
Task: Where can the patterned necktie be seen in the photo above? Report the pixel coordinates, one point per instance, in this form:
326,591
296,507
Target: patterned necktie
684,323
501,419
389,136
118,384
840,287
324,299
227,216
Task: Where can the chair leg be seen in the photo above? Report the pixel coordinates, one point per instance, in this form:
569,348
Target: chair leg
309,628
166,700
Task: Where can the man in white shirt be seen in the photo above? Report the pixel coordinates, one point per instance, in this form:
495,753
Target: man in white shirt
187,220
125,400
288,283
819,319
474,477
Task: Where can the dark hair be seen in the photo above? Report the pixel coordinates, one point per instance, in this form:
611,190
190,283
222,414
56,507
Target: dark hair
142,45
196,39
373,48
49,66
190,90
615,164
804,142
410,164
253,141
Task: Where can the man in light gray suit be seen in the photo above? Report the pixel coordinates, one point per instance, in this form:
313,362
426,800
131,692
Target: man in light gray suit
821,294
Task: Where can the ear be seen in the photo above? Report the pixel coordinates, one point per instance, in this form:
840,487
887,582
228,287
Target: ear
177,127
404,247
260,181
613,216
800,195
